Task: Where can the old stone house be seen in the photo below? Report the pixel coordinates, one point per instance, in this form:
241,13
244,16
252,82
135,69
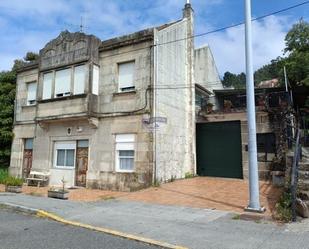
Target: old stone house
113,114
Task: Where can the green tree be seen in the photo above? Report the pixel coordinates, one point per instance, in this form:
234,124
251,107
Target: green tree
237,81
297,50
7,96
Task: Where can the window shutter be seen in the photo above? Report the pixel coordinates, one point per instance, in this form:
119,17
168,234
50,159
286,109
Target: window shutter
63,82
126,75
31,93
79,79
95,80
47,85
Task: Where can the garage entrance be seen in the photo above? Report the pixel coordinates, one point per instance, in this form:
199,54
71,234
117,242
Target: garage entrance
218,149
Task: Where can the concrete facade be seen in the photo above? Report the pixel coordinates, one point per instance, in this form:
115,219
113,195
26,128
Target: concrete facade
163,87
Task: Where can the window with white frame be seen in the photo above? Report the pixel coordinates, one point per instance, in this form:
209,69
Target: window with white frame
64,154
47,85
126,76
79,79
95,80
63,83
31,93
125,152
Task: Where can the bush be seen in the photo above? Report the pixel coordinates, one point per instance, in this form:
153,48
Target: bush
189,175
13,181
3,175
283,208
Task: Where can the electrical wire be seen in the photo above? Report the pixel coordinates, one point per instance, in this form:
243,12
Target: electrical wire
215,30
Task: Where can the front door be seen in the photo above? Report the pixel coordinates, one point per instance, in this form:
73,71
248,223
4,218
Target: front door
27,158
81,163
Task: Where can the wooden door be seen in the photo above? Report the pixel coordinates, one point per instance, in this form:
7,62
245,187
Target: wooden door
27,163
81,166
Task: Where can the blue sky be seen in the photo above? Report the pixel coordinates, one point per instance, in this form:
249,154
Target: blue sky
27,25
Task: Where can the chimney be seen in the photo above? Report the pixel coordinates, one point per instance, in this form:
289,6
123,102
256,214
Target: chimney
187,11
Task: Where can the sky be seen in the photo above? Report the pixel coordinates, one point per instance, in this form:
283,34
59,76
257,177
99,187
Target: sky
27,25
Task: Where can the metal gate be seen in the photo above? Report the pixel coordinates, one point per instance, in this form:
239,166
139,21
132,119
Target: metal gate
218,149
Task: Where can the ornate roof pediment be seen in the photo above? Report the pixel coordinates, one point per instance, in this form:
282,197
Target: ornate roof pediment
69,48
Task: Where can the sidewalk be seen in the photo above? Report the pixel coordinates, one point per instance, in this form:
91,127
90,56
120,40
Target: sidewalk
190,227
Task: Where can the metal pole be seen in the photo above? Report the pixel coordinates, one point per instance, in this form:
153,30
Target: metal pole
285,80
254,203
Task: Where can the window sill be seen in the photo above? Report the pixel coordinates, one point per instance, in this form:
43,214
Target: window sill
63,98
64,167
26,106
125,171
133,92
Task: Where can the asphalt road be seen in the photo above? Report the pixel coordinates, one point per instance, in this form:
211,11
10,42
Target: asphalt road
24,231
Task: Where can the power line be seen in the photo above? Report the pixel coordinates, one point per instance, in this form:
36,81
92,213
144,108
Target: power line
215,30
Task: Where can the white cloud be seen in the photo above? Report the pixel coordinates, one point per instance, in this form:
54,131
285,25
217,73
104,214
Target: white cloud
268,42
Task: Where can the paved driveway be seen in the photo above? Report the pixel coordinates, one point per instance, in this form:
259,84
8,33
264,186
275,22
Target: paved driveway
207,192
199,192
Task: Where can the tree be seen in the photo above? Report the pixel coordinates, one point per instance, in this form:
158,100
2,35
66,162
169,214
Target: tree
7,96
297,39
237,81
297,48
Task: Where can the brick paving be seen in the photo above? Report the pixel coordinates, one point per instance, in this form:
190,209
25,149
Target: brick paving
199,192
208,192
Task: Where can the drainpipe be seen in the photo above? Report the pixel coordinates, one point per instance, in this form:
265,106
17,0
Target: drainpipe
254,203
154,106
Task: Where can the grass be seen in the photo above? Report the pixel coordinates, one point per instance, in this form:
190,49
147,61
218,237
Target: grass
4,174
13,181
283,208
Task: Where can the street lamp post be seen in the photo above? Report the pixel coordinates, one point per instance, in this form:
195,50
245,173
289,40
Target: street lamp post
254,202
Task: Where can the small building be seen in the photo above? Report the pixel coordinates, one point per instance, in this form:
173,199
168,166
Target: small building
222,133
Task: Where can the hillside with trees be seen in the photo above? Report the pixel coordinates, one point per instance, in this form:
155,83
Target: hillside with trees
295,59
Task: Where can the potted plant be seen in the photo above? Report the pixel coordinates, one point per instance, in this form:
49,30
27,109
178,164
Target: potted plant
59,193
209,107
13,184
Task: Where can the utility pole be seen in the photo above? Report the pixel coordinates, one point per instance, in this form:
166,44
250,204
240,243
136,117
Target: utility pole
254,202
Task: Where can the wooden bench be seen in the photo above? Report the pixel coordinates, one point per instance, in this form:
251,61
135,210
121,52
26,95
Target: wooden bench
39,178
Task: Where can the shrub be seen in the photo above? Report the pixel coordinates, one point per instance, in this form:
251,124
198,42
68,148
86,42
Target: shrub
283,208
189,175
13,181
3,175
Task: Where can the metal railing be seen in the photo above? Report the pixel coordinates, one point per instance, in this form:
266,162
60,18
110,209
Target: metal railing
294,173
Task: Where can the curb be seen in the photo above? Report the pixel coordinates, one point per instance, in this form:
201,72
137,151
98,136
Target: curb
45,214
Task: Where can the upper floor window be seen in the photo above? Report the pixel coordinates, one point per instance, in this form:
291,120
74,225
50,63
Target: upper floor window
65,82
95,80
126,76
79,79
31,93
47,85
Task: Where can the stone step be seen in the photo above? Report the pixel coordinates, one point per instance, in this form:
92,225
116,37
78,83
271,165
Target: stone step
303,166
303,185
303,175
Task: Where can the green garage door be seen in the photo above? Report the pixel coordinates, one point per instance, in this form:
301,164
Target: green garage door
218,149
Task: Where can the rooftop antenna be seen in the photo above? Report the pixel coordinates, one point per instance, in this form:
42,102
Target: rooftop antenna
81,24
188,1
